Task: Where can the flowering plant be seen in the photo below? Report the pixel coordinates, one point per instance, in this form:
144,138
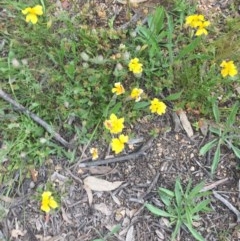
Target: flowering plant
33,13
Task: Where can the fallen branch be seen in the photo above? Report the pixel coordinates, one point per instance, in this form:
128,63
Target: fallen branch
141,152
228,204
37,119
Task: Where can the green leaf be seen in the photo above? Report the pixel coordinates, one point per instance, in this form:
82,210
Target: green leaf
166,192
189,215
166,196
208,146
178,192
202,206
174,96
156,21
231,119
113,231
216,159
216,112
176,230
157,211
215,130
236,151
115,109
194,232
189,48
193,193
140,105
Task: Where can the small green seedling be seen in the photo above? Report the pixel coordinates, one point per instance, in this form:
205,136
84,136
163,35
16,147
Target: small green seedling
182,207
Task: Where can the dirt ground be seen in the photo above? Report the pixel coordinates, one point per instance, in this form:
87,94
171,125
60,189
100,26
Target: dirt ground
84,213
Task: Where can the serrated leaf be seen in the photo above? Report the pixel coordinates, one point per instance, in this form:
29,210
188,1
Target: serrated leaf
157,211
207,147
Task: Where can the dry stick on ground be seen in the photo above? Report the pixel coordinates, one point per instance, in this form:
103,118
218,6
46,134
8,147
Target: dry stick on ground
134,155
228,204
37,119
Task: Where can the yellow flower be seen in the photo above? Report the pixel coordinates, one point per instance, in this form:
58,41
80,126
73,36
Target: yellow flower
48,202
201,28
194,20
118,143
32,13
135,66
228,68
94,152
157,106
119,89
135,94
114,124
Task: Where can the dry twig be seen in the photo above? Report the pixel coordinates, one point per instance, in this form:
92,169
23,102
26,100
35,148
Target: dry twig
37,119
228,204
134,155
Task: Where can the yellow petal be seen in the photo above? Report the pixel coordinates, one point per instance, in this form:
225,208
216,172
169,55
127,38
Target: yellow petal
45,208
26,11
52,203
38,10
31,18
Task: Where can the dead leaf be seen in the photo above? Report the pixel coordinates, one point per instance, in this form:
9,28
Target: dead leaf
89,194
97,184
65,216
130,234
100,170
59,178
159,234
102,207
185,123
34,174
17,232
203,125
116,200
